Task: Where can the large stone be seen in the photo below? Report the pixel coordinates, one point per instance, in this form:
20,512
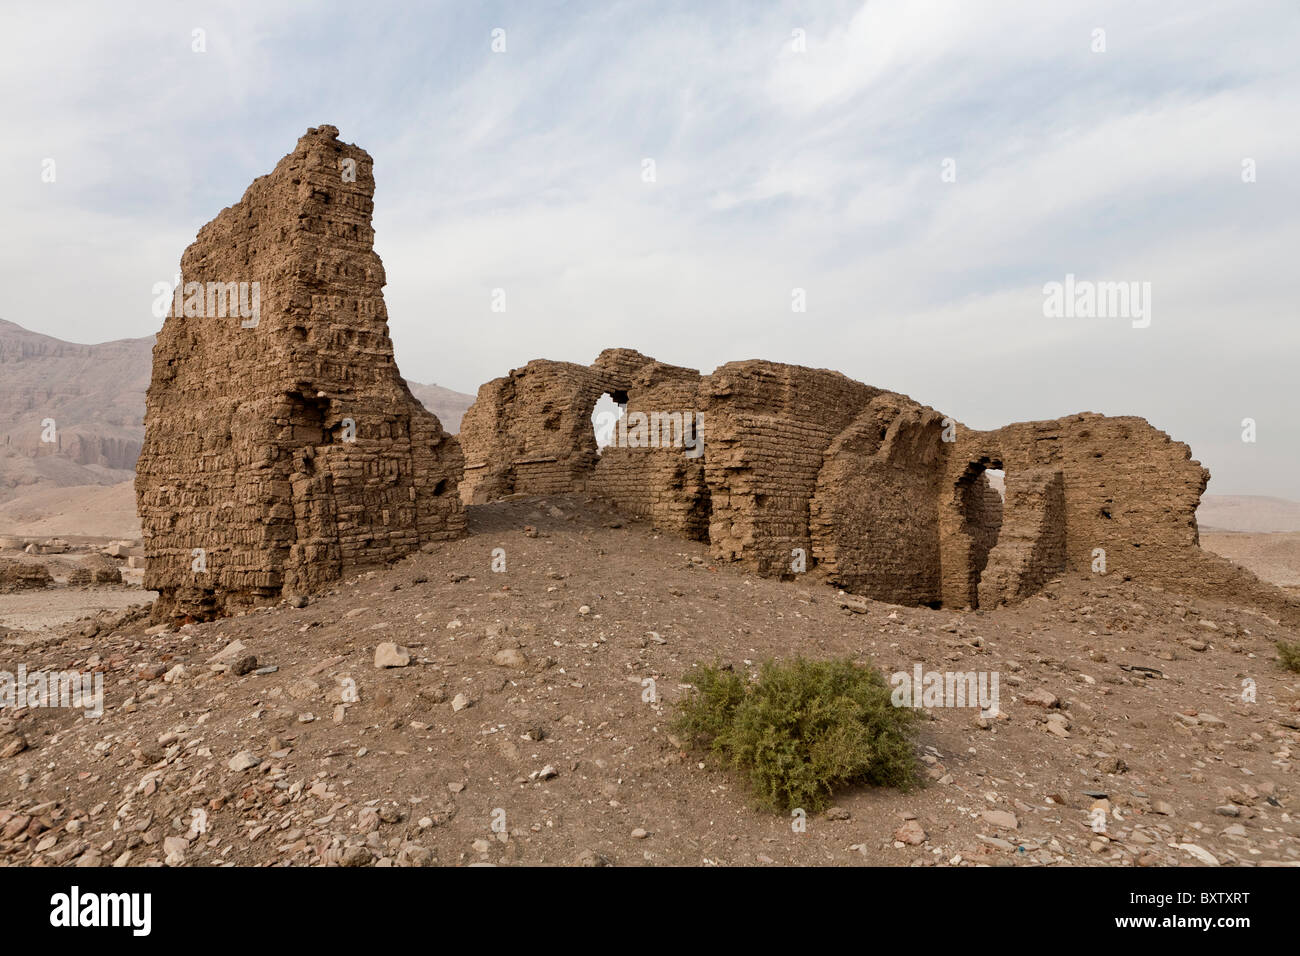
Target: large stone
1002,819
389,654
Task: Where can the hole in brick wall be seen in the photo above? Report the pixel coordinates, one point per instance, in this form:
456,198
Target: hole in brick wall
981,501
307,419
997,481
610,407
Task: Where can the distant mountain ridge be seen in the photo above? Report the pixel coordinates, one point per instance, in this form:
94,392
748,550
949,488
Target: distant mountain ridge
70,414
449,406
94,395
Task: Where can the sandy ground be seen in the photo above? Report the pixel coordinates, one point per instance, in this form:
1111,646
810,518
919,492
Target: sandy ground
563,756
105,511
1273,557
46,612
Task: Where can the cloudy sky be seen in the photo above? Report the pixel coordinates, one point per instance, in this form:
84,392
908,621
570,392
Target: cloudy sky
919,168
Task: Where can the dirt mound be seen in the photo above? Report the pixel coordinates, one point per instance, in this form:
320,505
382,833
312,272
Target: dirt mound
529,723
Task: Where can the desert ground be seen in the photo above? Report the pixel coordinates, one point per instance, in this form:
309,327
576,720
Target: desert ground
530,721
90,511
1274,557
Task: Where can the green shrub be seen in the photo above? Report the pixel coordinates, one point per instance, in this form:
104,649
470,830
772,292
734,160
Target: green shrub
802,730
1288,653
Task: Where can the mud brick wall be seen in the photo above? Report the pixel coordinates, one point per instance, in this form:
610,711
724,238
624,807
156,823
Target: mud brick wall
1128,488
1204,573
530,432
970,520
488,473
887,498
874,517
1030,547
768,426
661,485
283,453
288,452
23,576
1131,491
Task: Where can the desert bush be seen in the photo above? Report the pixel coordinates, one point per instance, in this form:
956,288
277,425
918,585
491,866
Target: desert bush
802,730
1288,652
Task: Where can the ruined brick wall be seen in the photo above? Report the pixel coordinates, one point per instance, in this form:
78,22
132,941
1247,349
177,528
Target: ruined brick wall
1205,574
284,450
1030,546
1130,498
530,432
1128,488
23,576
767,427
658,474
874,517
885,497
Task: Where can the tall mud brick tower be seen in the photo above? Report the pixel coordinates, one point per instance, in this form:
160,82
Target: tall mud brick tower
282,448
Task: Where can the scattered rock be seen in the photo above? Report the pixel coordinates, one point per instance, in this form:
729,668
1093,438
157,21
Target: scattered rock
913,834
1002,819
228,654
1041,698
509,657
1202,854
355,856
244,760
389,654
